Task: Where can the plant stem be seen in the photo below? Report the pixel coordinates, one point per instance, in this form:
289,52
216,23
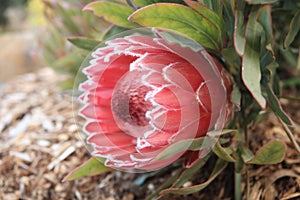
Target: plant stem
290,135
247,183
237,185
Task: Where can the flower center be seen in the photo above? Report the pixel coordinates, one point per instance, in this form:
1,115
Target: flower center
130,106
138,106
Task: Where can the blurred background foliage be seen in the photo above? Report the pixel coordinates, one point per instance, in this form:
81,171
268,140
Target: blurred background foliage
66,19
4,5
287,57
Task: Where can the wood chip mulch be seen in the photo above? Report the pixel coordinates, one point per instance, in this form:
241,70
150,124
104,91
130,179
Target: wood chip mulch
39,145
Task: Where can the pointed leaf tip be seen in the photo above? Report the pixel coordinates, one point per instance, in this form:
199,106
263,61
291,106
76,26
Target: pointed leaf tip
112,12
88,7
294,28
251,72
271,153
84,43
89,168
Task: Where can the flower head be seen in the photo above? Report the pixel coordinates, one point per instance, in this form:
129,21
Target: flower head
143,94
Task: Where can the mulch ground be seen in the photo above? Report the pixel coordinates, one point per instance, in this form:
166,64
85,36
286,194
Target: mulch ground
39,145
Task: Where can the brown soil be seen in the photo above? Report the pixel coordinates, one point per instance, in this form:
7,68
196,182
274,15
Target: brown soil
40,145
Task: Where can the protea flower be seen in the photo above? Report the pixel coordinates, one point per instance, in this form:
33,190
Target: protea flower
144,94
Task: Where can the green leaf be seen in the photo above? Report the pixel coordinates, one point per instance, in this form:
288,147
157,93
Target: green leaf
298,60
246,154
265,20
209,14
142,3
236,96
291,82
181,19
67,20
293,30
84,43
239,30
184,145
251,73
271,153
219,167
112,31
214,5
113,12
70,63
289,56
228,16
192,144
180,39
232,60
90,168
261,1
67,84
223,153
276,107
261,117
290,4
267,59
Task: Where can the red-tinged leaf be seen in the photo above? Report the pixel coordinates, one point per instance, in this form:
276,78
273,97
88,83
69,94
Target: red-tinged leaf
180,19
271,153
219,167
214,5
293,30
184,145
267,53
223,153
276,107
142,3
251,73
90,168
180,39
239,30
209,14
113,12
265,20
261,1
192,144
84,43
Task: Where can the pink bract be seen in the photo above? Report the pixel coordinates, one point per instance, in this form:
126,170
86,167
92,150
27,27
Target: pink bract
143,94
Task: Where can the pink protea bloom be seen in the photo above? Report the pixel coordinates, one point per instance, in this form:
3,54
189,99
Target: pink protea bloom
143,94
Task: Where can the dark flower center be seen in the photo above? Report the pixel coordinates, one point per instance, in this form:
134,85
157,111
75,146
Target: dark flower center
138,106
130,105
